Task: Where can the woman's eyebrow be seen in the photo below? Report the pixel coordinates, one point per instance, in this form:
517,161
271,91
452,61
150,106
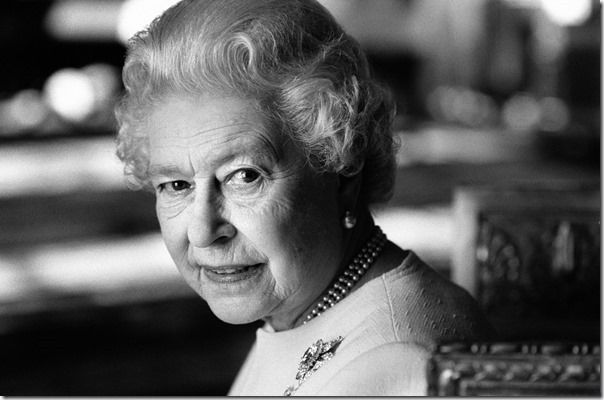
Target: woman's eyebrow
164,170
257,148
262,146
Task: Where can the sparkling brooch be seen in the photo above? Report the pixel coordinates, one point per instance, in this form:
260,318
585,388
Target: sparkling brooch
314,357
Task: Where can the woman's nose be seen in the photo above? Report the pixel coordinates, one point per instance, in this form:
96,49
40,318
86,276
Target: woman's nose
208,225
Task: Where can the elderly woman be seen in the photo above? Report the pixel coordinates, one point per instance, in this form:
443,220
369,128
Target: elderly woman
266,141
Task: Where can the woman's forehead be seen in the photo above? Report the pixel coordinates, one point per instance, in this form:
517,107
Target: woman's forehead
208,118
220,150
188,115
213,129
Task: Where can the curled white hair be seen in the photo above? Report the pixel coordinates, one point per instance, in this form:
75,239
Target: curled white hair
307,76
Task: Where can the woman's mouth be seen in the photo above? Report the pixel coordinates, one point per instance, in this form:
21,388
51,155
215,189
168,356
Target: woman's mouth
231,273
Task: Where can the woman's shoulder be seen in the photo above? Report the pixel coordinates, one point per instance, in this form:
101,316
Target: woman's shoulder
427,308
386,351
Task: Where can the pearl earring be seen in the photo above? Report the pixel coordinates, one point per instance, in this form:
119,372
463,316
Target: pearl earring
349,220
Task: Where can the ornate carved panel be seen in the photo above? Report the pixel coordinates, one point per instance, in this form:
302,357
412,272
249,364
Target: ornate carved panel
532,265
515,369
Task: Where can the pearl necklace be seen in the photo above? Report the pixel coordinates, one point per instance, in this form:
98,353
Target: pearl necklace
353,273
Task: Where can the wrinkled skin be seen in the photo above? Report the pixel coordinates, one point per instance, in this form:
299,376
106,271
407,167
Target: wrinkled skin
232,192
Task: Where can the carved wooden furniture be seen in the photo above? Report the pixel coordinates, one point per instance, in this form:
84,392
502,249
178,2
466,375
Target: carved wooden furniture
530,254
515,369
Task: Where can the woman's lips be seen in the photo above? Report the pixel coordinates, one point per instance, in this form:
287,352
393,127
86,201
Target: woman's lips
229,270
231,273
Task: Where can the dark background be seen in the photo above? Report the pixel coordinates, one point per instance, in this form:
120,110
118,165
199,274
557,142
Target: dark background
488,92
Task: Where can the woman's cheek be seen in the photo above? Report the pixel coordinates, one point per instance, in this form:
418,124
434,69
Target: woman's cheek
168,208
173,225
274,213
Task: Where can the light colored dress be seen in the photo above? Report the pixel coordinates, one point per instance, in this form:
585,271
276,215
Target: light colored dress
388,327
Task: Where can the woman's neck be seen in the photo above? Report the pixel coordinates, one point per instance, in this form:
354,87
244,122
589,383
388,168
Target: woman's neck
390,257
353,241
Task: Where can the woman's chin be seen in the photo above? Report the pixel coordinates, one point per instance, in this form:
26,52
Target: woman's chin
234,314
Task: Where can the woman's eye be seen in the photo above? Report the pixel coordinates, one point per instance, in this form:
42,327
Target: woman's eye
243,177
174,186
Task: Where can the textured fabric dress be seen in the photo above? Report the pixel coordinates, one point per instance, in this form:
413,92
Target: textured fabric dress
388,327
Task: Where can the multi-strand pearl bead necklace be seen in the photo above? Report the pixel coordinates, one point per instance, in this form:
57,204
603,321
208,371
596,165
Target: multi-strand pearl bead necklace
353,273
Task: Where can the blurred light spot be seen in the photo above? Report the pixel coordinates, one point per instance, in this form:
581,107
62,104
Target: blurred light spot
523,3
27,109
82,19
105,80
416,228
555,115
14,279
567,12
461,105
521,113
70,93
136,15
63,166
97,266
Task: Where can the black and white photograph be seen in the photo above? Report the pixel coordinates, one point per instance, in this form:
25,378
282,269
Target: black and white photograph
300,198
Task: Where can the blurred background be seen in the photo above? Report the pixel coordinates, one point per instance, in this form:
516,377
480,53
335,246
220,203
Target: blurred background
494,96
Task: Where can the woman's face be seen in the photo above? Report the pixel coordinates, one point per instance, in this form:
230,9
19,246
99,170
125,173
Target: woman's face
251,227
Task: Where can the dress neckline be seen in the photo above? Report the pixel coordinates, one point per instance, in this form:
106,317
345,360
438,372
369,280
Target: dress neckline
336,316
